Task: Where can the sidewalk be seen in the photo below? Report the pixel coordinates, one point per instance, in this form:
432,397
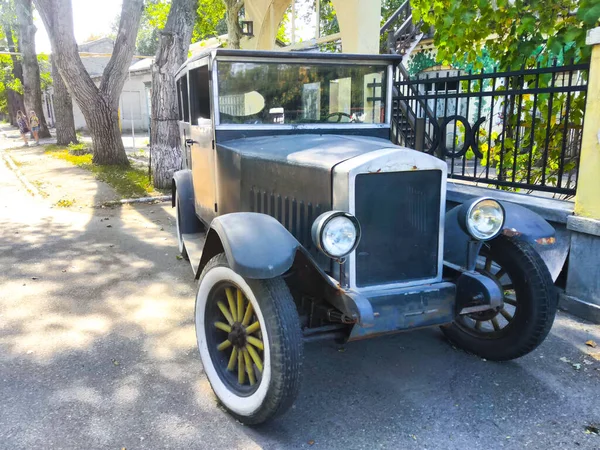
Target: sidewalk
60,182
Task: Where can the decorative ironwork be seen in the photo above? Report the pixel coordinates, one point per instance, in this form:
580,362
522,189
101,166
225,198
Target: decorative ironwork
513,130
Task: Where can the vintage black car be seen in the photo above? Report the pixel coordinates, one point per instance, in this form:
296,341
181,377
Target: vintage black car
302,221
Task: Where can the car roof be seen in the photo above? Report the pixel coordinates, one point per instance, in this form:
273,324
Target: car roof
243,55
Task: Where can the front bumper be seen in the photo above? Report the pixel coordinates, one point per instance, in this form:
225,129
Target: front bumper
395,310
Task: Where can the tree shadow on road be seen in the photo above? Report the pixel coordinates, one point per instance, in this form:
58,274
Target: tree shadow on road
99,351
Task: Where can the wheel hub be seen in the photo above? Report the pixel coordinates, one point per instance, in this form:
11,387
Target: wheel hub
484,315
237,336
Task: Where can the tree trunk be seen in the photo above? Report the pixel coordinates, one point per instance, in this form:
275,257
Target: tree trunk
15,99
15,103
99,104
174,41
63,110
234,30
32,91
103,123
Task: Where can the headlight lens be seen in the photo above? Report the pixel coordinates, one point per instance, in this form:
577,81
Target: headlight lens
336,233
485,219
339,236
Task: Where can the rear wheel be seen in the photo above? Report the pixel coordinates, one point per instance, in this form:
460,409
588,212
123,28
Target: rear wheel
530,303
250,342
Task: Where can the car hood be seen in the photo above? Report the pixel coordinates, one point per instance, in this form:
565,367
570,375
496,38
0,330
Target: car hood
314,150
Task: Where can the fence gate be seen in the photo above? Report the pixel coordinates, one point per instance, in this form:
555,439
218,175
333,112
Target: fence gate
516,130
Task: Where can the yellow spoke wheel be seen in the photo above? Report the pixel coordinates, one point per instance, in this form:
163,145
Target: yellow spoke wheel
239,336
250,341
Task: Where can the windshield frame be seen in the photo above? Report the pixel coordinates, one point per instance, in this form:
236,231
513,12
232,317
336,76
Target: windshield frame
311,61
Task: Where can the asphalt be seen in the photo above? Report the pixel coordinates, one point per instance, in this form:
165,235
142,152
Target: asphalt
97,351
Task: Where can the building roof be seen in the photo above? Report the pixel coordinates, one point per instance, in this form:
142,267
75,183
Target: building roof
142,65
145,65
84,46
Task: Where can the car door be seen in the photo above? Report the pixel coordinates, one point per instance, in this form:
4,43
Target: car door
200,142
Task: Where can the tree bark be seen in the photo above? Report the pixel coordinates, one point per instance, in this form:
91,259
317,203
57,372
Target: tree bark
174,42
63,110
32,90
15,103
99,104
234,30
15,99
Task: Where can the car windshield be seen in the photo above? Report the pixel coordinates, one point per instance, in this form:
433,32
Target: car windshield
297,93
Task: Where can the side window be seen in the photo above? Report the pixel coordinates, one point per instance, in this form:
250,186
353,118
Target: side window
199,94
184,98
180,109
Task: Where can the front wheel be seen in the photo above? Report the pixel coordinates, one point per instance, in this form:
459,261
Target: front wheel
530,303
250,342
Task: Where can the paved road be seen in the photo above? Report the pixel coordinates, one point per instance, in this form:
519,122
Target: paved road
97,351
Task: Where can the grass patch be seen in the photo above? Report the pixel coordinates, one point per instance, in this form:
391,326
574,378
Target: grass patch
129,182
65,203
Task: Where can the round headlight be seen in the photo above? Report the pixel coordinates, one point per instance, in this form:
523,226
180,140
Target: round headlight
484,219
336,233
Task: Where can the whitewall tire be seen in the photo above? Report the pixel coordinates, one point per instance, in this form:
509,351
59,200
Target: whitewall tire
250,342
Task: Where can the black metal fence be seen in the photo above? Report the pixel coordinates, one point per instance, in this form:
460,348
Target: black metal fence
516,130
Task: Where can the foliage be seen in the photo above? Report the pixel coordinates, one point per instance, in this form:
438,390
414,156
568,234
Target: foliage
328,24
510,34
210,22
128,182
514,32
388,7
281,31
65,203
45,71
531,144
78,149
420,61
7,79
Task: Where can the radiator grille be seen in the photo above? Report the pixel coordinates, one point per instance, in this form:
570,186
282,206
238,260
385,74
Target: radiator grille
399,213
295,215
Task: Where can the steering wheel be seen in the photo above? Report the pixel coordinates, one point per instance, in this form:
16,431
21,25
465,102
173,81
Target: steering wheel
339,116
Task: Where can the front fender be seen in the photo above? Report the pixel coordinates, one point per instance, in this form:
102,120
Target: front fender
256,245
520,223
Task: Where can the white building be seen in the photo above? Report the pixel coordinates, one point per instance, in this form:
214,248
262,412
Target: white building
134,103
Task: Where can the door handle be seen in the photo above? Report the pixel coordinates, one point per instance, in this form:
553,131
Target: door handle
190,142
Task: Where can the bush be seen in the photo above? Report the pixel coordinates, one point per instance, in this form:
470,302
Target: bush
78,149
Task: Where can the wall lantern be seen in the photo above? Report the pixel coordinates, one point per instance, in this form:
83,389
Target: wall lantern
247,28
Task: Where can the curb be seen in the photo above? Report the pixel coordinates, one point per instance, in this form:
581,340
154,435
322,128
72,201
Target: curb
34,191
125,201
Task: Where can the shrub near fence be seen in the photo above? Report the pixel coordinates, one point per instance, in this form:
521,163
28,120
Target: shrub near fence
516,130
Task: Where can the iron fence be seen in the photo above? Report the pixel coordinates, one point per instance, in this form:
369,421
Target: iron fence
514,130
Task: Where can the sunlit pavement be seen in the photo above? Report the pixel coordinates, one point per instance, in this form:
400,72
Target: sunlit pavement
97,350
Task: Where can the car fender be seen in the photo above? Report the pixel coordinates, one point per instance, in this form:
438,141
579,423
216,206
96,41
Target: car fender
520,223
256,245
183,186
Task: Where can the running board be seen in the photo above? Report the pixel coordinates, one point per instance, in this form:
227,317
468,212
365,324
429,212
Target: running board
194,244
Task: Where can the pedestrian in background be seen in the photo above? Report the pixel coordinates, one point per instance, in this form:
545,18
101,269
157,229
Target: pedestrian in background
35,126
23,126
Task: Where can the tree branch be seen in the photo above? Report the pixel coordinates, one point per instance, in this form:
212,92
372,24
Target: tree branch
115,72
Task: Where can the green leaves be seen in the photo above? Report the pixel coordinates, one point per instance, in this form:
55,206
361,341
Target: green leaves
589,13
209,22
514,32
